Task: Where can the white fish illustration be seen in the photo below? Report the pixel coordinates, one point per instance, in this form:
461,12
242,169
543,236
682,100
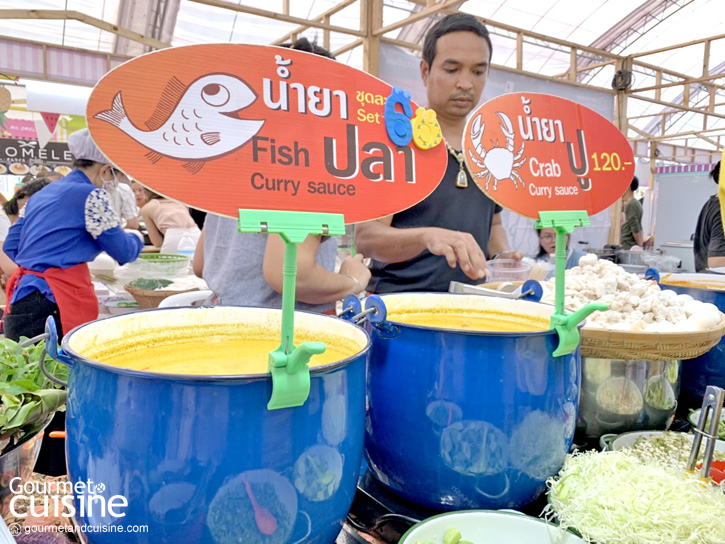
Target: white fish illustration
195,123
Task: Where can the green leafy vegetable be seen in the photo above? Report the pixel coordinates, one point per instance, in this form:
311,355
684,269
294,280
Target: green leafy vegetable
27,398
150,284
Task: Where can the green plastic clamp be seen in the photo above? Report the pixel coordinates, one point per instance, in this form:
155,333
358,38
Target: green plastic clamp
564,222
288,364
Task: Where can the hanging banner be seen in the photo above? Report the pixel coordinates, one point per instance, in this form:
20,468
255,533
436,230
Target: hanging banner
51,120
533,152
224,127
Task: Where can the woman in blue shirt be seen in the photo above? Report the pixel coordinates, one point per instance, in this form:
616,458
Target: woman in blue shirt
60,230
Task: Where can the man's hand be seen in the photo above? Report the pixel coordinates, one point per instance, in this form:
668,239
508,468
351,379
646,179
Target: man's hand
515,255
354,266
459,248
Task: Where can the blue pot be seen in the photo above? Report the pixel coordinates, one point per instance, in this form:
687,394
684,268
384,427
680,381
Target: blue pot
461,420
709,368
188,452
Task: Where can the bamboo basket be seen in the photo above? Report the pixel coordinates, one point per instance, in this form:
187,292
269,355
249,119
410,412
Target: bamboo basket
648,346
148,299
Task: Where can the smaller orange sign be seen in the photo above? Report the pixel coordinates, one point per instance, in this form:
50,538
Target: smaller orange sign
533,152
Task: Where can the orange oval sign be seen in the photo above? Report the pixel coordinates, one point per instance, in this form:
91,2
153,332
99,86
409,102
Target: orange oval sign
534,152
224,127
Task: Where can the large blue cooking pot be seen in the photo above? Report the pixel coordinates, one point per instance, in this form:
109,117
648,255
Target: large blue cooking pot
462,419
709,368
192,454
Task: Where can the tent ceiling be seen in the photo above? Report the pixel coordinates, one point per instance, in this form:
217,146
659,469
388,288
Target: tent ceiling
623,28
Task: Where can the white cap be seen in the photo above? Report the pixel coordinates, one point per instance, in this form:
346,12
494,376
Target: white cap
81,146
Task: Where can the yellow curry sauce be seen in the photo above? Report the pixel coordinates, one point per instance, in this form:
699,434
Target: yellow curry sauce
210,351
700,284
471,320
212,356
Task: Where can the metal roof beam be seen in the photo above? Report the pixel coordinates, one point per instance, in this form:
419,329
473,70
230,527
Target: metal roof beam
59,14
277,16
322,18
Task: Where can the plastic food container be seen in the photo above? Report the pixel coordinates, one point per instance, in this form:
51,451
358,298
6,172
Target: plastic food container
508,270
121,305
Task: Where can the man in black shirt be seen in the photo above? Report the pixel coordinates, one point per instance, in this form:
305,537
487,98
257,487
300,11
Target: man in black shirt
457,224
709,246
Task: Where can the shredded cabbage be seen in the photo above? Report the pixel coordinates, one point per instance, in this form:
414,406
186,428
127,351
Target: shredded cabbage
614,498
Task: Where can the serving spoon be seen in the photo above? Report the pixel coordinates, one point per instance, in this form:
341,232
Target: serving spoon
266,522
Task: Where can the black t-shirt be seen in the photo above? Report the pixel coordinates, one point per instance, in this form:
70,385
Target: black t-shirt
709,239
448,207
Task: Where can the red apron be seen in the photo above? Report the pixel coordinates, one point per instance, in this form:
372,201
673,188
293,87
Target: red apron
72,289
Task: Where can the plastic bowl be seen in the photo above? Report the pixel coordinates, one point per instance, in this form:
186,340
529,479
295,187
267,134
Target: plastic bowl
616,442
489,526
121,305
507,270
160,266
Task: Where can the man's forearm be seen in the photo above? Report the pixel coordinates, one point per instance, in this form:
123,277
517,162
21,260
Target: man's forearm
389,244
713,262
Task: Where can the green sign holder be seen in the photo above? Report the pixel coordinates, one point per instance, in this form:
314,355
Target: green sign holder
288,363
564,222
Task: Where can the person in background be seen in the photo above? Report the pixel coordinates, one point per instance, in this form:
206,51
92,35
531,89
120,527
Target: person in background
53,176
162,216
246,269
13,206
632,226
58,232
139,192
547,246
449,235
199,216
123,201
9,216
709,241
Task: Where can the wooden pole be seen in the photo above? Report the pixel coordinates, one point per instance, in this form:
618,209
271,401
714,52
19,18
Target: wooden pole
323,17
371,18
620,120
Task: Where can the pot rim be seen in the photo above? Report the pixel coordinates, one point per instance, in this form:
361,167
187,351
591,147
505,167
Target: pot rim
469,332
215,378
512,513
